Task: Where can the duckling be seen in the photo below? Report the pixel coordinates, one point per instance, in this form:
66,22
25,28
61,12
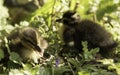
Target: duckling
21,9
76,30
28,43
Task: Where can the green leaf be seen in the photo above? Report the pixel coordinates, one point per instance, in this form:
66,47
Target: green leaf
83,73
74,62
106,7
73,4
84,6
44,71
15,57
46,8
1,54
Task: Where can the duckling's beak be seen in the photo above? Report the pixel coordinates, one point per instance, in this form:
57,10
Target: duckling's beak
59,20
37,47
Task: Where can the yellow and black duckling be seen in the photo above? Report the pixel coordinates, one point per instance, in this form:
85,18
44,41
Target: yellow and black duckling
76,30
28,43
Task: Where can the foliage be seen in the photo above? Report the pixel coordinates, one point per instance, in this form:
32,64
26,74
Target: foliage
44,19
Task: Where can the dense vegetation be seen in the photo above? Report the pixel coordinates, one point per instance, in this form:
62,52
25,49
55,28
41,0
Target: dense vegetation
104,12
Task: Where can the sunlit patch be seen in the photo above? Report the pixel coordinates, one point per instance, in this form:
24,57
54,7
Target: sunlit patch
71,43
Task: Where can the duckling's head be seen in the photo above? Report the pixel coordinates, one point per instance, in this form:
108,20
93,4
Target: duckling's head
31,40
33,44
69,18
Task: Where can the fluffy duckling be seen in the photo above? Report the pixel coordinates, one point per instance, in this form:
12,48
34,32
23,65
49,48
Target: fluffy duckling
28,44
76,30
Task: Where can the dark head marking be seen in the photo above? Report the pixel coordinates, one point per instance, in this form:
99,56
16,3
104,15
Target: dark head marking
68,14
37,48
69,18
